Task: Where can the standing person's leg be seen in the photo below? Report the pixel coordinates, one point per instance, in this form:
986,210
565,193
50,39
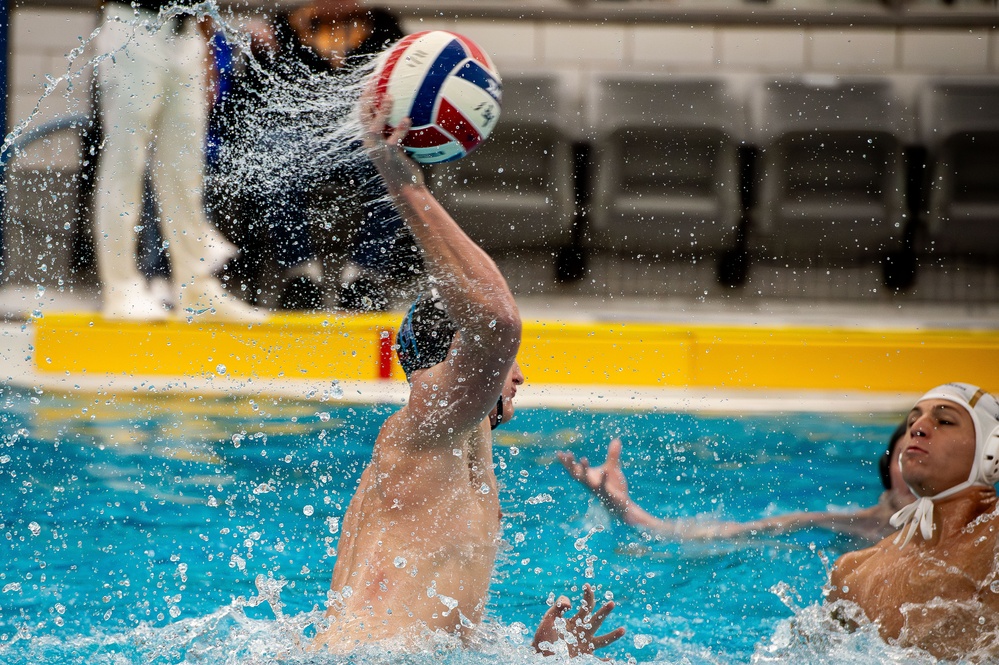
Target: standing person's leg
179,174
129,98
286,215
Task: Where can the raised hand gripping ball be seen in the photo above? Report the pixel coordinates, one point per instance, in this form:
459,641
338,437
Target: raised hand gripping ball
447,86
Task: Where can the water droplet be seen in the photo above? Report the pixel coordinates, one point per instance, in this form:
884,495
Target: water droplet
642,641
35,528
400,562
324,416
308,510
484,489
220,370
449,602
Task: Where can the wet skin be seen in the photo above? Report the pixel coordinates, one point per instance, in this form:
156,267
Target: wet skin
934,594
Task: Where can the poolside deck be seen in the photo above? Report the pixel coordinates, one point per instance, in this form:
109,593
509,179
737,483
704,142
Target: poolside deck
592,352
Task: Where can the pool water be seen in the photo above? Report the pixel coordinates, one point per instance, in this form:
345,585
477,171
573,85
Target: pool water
189,529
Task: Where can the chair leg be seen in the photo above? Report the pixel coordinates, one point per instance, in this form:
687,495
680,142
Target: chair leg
571,261
899,268
733,266
570,264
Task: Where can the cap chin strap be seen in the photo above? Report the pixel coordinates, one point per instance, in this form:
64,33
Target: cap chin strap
494,421
920,514
984,473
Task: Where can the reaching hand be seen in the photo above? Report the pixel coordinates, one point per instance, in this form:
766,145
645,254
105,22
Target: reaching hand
579,631
606,481
396,169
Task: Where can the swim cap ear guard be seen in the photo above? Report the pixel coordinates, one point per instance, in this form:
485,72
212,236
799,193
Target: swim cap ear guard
984,411
990,458
425,334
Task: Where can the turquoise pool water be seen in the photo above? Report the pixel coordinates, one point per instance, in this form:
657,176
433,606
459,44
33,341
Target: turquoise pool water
150,530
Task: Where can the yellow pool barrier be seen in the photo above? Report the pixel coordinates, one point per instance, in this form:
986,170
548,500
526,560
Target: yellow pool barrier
358,347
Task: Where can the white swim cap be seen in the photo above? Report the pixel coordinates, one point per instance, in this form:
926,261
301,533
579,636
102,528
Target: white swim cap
984,411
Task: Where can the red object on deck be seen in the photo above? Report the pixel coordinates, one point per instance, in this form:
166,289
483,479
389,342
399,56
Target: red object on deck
385,340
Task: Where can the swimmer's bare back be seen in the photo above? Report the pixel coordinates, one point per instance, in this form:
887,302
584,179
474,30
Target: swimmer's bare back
418,541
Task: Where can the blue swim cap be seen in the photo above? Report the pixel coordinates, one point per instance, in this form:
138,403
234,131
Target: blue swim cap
425,334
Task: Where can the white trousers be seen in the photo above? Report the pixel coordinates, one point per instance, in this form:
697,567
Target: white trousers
153,105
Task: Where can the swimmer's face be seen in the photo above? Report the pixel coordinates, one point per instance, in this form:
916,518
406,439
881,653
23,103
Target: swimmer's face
513,379
939,449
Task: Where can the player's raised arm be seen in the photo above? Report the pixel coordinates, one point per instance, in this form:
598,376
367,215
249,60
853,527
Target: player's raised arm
462,391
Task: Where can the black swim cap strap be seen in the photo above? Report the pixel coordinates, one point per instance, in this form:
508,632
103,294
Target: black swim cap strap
495,422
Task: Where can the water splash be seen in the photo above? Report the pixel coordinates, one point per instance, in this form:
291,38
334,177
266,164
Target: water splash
315,109
812,635
581,543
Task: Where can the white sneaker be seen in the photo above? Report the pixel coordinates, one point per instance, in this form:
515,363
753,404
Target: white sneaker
350,273
204,298
131,301
161,291
218,249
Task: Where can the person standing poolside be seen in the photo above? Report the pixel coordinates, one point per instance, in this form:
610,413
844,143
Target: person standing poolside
151,95
936,584
325,41
420,535
607,482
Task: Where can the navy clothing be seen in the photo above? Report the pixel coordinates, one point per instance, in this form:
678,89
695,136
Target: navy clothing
290,160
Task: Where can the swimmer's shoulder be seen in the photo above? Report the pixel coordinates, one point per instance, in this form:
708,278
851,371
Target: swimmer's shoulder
851,561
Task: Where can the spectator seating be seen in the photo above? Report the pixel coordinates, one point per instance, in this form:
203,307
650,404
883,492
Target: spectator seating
959,125
516,190
666,164
833,176
675,163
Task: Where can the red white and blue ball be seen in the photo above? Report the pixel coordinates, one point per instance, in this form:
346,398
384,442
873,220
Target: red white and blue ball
448,86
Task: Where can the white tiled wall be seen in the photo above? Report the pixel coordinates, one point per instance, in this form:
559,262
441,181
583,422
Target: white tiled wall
852,51
945,51
40,39
777,50
674,47
509,42
584,45
724,49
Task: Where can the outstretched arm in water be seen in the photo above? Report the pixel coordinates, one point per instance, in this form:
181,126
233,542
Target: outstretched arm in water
607,483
